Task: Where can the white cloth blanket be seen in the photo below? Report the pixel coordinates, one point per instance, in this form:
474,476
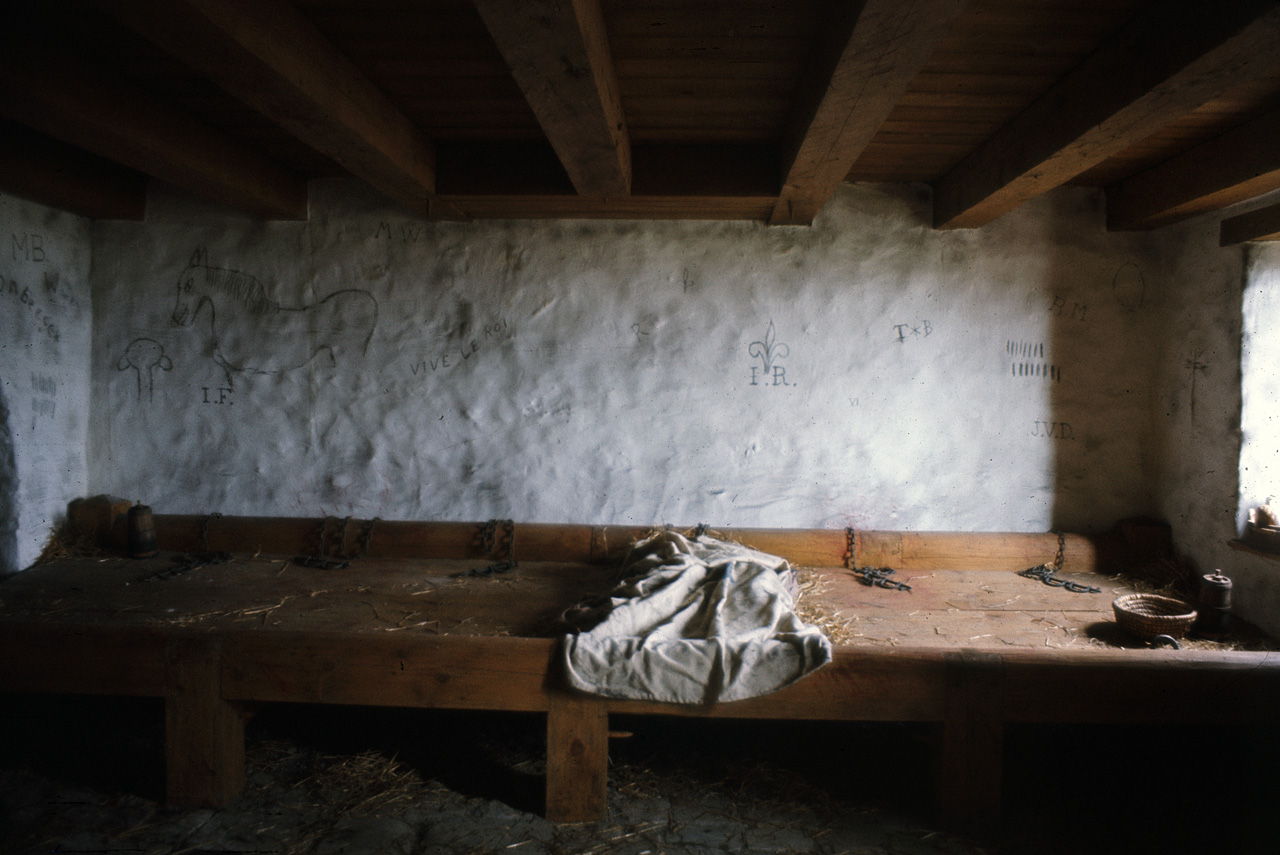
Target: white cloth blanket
696,621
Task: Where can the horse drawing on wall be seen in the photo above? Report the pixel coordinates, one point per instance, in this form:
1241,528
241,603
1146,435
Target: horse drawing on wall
254,334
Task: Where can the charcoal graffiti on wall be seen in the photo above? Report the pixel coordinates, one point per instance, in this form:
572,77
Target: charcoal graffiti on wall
1129,287
1027,359
769,351
254,334
8,493
145,356
1195,367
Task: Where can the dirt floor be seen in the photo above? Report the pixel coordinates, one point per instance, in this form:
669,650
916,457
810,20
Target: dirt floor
85,775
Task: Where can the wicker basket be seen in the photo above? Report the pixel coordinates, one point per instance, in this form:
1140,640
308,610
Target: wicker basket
1149,615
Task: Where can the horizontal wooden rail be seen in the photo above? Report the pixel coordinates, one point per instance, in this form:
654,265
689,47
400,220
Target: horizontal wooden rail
451,672
101,659
601,544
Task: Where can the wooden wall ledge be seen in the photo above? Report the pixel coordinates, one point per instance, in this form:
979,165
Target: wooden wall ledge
104,520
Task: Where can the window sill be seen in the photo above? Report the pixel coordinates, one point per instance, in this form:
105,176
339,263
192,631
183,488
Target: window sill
1241,546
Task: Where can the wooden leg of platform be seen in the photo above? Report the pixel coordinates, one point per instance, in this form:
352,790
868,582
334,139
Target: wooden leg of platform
577,758
972,742
204,735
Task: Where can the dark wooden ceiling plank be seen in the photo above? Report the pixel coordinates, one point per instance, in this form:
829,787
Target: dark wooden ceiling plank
268,55
843,102
707,172
45,170
1260,224
52,91
627,208
632,19
1239,165
559,55
1166,62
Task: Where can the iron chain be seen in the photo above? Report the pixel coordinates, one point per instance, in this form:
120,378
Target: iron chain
875,577
1046,572
189,562
489,543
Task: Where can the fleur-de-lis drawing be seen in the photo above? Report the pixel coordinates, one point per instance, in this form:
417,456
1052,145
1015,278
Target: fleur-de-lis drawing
769,349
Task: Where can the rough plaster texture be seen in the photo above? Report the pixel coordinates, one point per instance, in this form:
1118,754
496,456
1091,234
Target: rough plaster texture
866,371
1260,376
1215,311
45,331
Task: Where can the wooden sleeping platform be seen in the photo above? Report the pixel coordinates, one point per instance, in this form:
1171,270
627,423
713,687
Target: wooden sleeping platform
971,647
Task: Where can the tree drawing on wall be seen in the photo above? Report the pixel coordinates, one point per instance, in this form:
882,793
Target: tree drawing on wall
145,356
254,334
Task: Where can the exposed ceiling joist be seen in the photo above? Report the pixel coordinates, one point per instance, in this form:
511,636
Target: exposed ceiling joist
849,92
271,57
1166,62
53,92
559,55
678,109
40,168
1236,166
1260,224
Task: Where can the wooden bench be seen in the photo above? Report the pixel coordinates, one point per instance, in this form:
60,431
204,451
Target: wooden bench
971,648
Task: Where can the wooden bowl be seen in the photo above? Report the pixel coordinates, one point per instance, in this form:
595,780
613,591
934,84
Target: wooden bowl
1149,615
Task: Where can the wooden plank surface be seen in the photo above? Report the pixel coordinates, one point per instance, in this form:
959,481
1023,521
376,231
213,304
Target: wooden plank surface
42,169
972,750
1166,62
1239,165
46,88
38,655
204,733
851,88
1259,224
559,55
270,56
577,758
609,544
890,684
372,595
455,672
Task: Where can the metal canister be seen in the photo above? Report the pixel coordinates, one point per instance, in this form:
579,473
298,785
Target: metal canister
142,532
1214,618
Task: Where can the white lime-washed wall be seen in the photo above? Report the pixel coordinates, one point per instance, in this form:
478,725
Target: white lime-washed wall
866,371
1213,448
45,331
1260,380
1257,578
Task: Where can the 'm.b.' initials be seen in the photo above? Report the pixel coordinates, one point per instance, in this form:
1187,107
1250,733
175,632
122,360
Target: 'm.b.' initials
28,247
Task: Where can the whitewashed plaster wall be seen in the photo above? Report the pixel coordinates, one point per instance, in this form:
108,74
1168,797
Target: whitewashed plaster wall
1260,379
1221,458
1220,313
45,331
867,371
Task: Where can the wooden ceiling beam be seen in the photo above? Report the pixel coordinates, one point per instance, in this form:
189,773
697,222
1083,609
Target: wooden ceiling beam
268,55
871,55
559,56
1260,224
45,170
1163,64
1241,164
54,92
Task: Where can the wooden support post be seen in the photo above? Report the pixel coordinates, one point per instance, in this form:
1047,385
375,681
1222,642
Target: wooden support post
577,758
204,734
972,742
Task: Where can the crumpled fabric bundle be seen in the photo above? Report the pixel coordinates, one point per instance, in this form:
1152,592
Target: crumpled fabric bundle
696,621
